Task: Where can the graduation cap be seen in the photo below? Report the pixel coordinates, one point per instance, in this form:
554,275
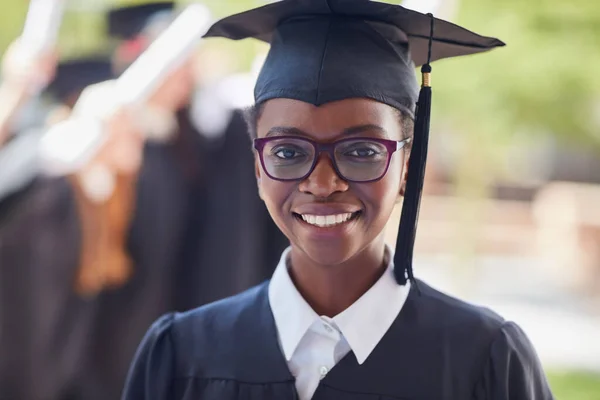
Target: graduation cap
328,50
72,76
126,23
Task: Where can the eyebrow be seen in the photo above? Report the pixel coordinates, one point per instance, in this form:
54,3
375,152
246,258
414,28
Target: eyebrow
354,130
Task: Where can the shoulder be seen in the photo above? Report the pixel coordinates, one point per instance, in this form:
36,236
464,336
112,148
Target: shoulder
221,333
451,327
512,368
485,346
477,326
213,319
150,374
206,341
442,310
220,315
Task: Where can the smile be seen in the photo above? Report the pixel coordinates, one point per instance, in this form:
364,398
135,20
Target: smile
326,221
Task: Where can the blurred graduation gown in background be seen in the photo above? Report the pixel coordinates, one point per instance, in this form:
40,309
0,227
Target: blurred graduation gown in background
44,325
199,233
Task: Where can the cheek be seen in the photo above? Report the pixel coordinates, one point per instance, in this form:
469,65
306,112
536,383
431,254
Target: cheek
381,196
397,164
392,181
276,196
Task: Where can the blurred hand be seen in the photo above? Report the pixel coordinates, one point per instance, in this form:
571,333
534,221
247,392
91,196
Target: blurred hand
123,150
23,74
175,92
124,141
26,70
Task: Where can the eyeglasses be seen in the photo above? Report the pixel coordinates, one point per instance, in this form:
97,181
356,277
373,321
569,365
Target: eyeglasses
291,158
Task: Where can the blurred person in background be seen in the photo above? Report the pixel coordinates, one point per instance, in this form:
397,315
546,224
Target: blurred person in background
61,84
44,325
20,77
157,243
196,199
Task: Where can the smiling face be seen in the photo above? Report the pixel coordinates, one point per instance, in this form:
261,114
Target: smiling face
327,218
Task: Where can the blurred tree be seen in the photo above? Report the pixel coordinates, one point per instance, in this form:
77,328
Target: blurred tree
11,21
542,85
542,82
83,27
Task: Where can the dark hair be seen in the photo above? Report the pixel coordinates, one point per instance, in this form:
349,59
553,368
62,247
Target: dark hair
252,114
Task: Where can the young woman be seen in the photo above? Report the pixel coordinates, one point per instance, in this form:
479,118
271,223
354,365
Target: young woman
343,317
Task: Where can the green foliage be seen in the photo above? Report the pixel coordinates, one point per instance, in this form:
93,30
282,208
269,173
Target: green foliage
542,81
83,28
11,21
571,385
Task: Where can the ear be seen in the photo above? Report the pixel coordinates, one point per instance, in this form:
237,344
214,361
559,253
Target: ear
403,179
258,173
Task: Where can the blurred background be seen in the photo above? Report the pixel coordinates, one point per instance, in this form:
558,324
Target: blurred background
511,214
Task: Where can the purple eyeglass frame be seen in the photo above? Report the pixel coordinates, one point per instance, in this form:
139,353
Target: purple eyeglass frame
391,145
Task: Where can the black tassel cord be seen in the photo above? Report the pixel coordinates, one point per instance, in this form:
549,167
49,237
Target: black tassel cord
403,257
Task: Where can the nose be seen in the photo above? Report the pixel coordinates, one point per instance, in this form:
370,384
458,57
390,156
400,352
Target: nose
324,180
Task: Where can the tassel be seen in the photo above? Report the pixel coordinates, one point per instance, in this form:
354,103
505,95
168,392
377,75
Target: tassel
403,257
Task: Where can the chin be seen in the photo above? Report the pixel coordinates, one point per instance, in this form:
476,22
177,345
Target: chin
326,245
327,255
328,252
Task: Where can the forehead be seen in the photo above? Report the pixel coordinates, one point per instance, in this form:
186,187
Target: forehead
328,120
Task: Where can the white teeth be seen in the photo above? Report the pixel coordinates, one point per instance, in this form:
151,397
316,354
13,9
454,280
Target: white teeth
326,220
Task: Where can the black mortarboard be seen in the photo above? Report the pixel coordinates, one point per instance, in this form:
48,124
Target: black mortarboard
72,76
328,50
128,22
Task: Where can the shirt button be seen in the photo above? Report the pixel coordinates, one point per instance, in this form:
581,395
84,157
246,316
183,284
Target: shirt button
323,371
327,327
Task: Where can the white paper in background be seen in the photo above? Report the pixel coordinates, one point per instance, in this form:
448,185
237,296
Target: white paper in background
69,145
166,53
66,147
444,9
42,24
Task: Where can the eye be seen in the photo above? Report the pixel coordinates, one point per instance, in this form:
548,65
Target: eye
287,153
362,152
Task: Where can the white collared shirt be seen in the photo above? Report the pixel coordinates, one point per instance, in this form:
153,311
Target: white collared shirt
314,344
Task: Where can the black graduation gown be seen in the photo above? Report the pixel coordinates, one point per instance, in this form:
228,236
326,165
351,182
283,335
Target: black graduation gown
437,348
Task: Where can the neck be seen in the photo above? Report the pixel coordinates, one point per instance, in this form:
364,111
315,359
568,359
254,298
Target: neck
330,289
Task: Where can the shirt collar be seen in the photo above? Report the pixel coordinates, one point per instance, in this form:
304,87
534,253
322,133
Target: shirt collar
363,324
293,316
